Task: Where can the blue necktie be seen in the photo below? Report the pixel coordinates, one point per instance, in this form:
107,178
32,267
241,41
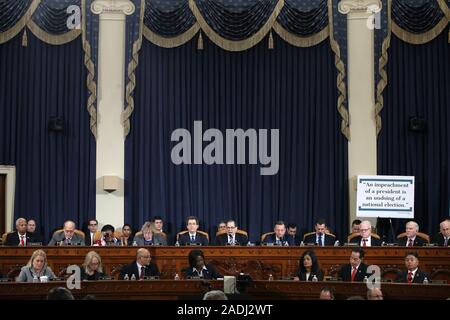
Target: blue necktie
320,239
192,238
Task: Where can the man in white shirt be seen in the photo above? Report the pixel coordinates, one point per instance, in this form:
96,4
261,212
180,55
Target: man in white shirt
443,237
412,274
411,239
92,229
20,237
365,238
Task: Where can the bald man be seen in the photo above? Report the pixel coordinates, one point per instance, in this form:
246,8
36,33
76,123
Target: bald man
20,237
67,237
411,239
141,268
443,237
365,238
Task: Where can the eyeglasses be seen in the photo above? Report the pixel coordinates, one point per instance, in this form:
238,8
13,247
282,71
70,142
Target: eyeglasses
363,230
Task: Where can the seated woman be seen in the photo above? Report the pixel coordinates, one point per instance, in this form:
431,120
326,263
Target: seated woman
92,268
149,236
127,235
198,268
309,267
36,269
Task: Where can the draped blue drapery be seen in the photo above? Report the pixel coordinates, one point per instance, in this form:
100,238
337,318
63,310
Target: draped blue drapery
418,86
288,88
55,171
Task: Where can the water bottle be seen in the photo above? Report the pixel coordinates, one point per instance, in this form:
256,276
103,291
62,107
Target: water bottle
35,279
134,244
126,277
133,277
177,244
177,277
365,279
270,277
302,244
315,278
425,281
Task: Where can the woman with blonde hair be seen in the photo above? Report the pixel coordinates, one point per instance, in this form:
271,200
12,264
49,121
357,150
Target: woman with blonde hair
37,269
92,268
149,236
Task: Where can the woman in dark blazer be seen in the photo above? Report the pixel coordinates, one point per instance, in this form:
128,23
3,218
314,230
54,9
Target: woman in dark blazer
198,268
92,268
309,267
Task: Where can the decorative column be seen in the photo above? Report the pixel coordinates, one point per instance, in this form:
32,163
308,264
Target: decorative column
362,148
110,140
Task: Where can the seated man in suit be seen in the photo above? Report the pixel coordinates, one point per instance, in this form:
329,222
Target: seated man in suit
279,237
92,228
142,267
31,229
292,233
21,237
198,268
412,274
320,238
231,238
411,238
365,238
149,236
443,238
192,237
67,237
356,270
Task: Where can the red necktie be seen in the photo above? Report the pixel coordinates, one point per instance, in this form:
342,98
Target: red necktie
410,243
354,273
410,277
22,242
364,242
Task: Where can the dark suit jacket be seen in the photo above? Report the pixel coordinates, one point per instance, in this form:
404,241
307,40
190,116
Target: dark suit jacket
12,239
302,276
209,273
346,272
185,239
418,277
272,239
439,239
150,271
96,276
36,236
418,242
329,240
87,238
241,239
374,241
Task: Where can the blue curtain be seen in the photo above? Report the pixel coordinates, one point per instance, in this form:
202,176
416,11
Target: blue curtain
288,88
55,172
418,85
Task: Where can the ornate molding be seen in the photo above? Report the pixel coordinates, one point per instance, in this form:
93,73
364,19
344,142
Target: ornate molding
113,6
347,6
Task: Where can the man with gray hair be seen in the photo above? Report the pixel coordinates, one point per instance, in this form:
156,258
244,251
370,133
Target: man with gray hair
411,239
443,237
67,236
142,268
365,238
20,237
215,295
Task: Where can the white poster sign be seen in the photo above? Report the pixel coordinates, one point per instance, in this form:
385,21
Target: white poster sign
385,197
